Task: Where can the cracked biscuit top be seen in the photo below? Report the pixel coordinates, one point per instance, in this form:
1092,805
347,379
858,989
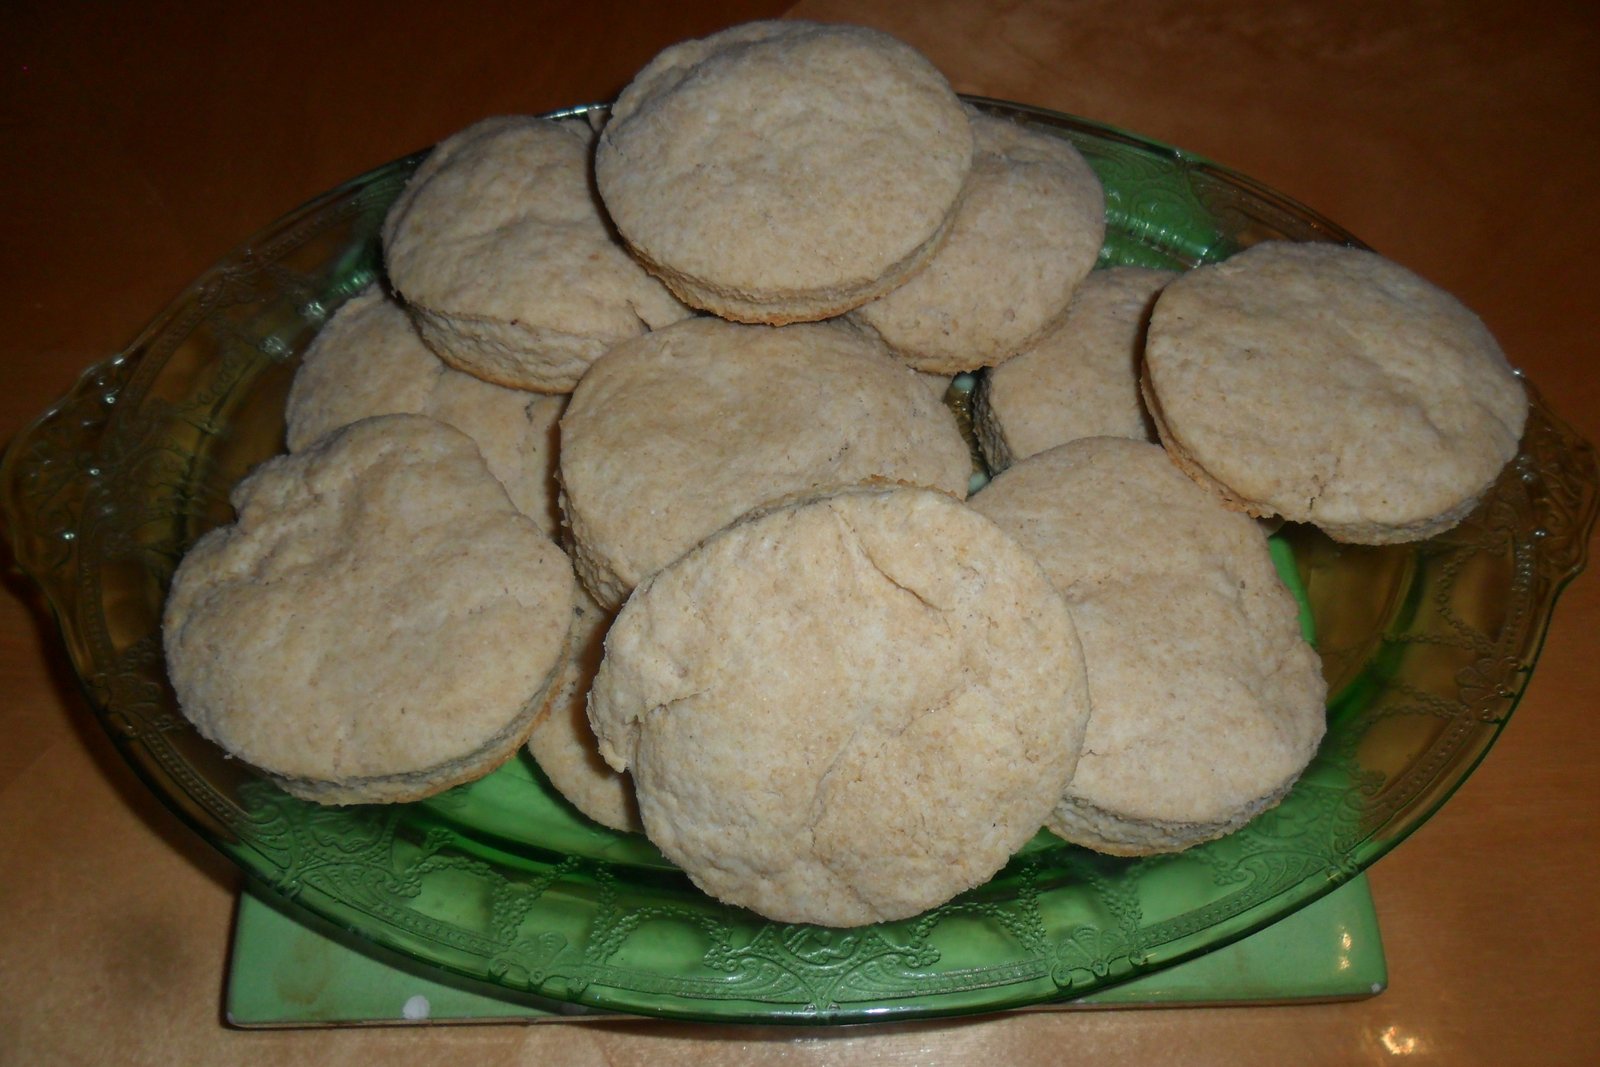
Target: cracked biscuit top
784,171
845,710
1328,385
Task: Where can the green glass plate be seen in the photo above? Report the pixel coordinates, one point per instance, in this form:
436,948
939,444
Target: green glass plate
283,972
1426,648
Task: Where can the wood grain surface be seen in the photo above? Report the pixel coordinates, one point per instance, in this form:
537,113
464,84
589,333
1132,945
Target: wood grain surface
138,143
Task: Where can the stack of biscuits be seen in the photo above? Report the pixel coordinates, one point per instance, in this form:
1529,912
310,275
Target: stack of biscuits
639,459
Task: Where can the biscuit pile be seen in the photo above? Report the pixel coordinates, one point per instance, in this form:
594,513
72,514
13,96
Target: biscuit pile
640,459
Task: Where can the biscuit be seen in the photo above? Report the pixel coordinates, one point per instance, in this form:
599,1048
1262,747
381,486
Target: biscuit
503,254
673,435
784,171
1080,380
379,624
1328,385
938,384
1207,703
1028,231
369,360
563,744
844,710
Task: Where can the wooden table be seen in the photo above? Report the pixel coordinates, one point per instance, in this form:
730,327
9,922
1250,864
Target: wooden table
142,142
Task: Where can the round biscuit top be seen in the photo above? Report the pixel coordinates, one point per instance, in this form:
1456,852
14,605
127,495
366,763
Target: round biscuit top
1207,702
1080,380
369,360
781,171
673,435
377,618
501,249
1027,232
1329,385
844,710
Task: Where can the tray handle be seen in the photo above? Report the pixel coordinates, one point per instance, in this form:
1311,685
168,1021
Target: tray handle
47,473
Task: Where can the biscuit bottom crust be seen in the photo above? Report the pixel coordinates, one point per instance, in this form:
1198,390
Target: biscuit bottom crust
1082,823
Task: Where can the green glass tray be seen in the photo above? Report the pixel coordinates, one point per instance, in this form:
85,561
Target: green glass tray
285,972
1426,648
